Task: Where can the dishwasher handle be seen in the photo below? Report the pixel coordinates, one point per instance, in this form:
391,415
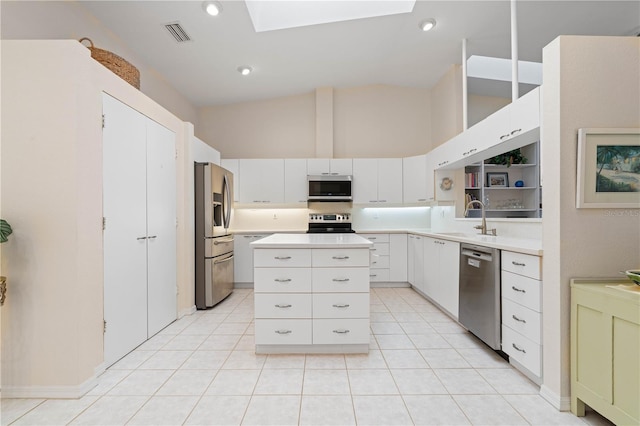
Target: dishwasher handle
476,254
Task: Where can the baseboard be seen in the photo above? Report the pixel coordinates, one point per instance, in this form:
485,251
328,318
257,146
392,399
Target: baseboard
242,285
188,311
561,403
389,284
99,369
50,392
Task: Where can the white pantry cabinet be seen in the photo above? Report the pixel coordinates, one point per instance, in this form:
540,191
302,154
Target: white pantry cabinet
261,181
329,166
139,169
377,181
441,273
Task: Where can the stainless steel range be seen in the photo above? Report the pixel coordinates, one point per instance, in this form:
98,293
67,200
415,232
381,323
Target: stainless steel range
324,223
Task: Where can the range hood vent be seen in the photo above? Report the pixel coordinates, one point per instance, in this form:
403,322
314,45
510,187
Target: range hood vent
176,30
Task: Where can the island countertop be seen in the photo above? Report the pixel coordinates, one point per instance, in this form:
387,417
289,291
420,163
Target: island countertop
312,241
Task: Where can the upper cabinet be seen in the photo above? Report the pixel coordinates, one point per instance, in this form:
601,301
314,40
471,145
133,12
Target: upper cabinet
261,181
329,166
377,180
415,171
295,181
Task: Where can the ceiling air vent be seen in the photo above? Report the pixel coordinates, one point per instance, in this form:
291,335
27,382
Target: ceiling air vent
176,30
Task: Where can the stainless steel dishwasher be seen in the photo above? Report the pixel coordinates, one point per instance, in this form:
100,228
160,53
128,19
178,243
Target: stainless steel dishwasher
479,309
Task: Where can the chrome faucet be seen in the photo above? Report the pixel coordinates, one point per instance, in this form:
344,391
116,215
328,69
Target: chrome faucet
483,226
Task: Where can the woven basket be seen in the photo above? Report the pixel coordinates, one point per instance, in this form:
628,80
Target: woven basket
115,63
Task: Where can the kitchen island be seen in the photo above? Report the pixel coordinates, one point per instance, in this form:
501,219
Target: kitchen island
311,293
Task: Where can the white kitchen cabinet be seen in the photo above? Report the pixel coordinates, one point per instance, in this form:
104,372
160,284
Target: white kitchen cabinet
414,180
261,181
442,272
139,207
522,311
388,260
377,181
233,165
325,166
415,261
398,257
243,257
295,181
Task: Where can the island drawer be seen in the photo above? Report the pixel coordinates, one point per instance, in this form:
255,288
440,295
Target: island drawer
336,280
522,264
523,290
282,280
522,319
340,331
283,331
340,257
341,305
282,258
282,305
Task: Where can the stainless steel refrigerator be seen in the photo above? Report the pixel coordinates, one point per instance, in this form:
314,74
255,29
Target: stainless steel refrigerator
213,242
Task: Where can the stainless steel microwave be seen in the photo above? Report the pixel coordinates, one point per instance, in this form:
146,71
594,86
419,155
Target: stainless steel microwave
329,187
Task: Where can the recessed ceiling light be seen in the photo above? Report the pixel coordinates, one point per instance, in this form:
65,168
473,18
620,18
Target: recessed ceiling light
213,8
427,24
245,70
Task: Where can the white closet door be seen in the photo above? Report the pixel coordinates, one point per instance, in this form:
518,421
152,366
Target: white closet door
125,244
161,227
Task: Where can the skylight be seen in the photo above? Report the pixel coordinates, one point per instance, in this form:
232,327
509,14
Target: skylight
269,15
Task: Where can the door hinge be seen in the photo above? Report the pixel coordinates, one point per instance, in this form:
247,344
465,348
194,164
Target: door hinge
104,326
104,223
103,121
176,157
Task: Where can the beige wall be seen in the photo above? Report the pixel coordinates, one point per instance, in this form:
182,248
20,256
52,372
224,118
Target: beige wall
588,82
56,20
381,121
446,101
480,107
52,341
274,128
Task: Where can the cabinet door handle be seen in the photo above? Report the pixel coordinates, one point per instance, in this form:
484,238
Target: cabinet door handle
422,199
519,290
513,132
340,257
141,238
282,280
341,306
504,136
518,263
372,238
343,331
282,306
518,319
341,280
518,349
373,275
283,331
152,237
282,257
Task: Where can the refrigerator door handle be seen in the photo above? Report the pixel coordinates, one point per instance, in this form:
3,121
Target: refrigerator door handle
227,204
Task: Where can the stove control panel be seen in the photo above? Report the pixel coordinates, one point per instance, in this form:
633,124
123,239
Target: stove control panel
329,218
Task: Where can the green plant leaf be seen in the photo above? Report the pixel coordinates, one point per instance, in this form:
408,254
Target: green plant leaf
5,231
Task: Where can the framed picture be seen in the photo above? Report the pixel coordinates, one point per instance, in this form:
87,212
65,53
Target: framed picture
608,168
498,180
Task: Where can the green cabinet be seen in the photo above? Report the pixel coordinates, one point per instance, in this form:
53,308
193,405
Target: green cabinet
605,349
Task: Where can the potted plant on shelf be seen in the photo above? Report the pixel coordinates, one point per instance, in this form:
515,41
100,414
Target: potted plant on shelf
5,231
509,158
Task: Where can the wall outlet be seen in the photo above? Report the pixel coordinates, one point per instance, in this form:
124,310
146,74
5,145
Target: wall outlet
275,216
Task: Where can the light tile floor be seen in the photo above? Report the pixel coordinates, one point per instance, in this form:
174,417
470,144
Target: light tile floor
422,368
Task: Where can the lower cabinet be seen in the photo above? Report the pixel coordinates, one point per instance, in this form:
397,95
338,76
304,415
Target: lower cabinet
308,297
605,349
243,257
522,311
388,257
442,273
415,261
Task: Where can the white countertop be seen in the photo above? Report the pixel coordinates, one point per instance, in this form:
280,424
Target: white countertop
312,241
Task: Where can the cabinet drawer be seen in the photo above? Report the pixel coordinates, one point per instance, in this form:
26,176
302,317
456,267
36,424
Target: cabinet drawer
340,331
376,238
378,261
521,319
341,305
523,350
282,305
340,257
283,332
282,280
379,275
523,290
335,280
282,258
523,264
380,249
